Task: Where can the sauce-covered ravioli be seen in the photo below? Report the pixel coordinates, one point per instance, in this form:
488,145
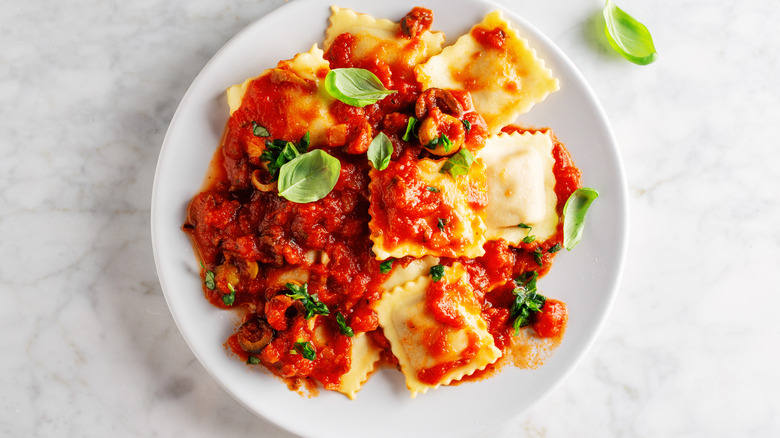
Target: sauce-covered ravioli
363,358
381,39
436,330
297,97
417,210
495,64
521,186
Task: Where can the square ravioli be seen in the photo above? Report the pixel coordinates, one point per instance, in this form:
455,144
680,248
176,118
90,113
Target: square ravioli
374,41
521,186
436,330
416,210
492,62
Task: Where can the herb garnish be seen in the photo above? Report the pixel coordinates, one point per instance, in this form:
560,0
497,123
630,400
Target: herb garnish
538,257
305,349
386,266
259,131
442,140
527,300
209,280
459,163
432,189
555,248
230,298
312,305
574,212
529,238
410,129
380,150
279,152
345,329
355,86
436,272
628,36
441,223
252,360
309,177
466,124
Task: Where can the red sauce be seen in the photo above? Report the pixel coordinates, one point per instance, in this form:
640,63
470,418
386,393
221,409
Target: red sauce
250,238
495,38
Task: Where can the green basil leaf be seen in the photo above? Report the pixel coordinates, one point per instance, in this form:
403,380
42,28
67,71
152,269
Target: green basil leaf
343,327
441,223
574,212
380,150
459,163
433,189
627,36
355,86
209,279
466,125
309,177
529,238
527,302
252,360
410,131
230,298
555,248
524,226
311,304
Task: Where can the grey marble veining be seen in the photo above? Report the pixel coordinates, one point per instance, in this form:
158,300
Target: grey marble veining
88,344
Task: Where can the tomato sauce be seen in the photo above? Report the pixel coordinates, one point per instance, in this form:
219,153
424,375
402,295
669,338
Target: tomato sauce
253,242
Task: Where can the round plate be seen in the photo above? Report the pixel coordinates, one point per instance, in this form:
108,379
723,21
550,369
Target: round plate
586,278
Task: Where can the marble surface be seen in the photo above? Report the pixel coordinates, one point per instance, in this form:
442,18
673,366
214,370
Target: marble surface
89,346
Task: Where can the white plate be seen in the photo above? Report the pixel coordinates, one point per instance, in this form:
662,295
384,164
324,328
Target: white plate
586,278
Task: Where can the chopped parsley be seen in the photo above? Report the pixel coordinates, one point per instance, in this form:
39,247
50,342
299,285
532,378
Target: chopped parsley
436,272
342,322
259,131
312,305
230,298
386,266
305,349
278,152
442,140
209,281
527,302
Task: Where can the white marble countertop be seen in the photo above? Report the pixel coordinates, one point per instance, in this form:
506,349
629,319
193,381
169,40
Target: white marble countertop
90,348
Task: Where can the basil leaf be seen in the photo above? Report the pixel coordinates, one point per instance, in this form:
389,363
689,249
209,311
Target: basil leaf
524,226
538,257
305,349
278,152
386,266
252,360
410,131
436,272
443,140
355,86
466,125
459,163
527,300
627,36
555,248
574,212
441,223
343,327
380,150
309,177
432,189
259,131
529,238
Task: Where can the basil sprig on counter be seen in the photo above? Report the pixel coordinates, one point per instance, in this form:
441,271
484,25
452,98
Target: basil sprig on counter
380,150
574,212
309,177
627,36
355,86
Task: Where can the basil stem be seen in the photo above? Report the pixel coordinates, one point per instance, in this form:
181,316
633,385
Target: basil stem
627,36
309,177
355,86
574,212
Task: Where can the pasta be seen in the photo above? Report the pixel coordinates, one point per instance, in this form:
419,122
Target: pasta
427,216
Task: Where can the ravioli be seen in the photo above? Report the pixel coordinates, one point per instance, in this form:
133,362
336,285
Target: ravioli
416,210
504,82
431,352
521,186
381,39
363,358
299,98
